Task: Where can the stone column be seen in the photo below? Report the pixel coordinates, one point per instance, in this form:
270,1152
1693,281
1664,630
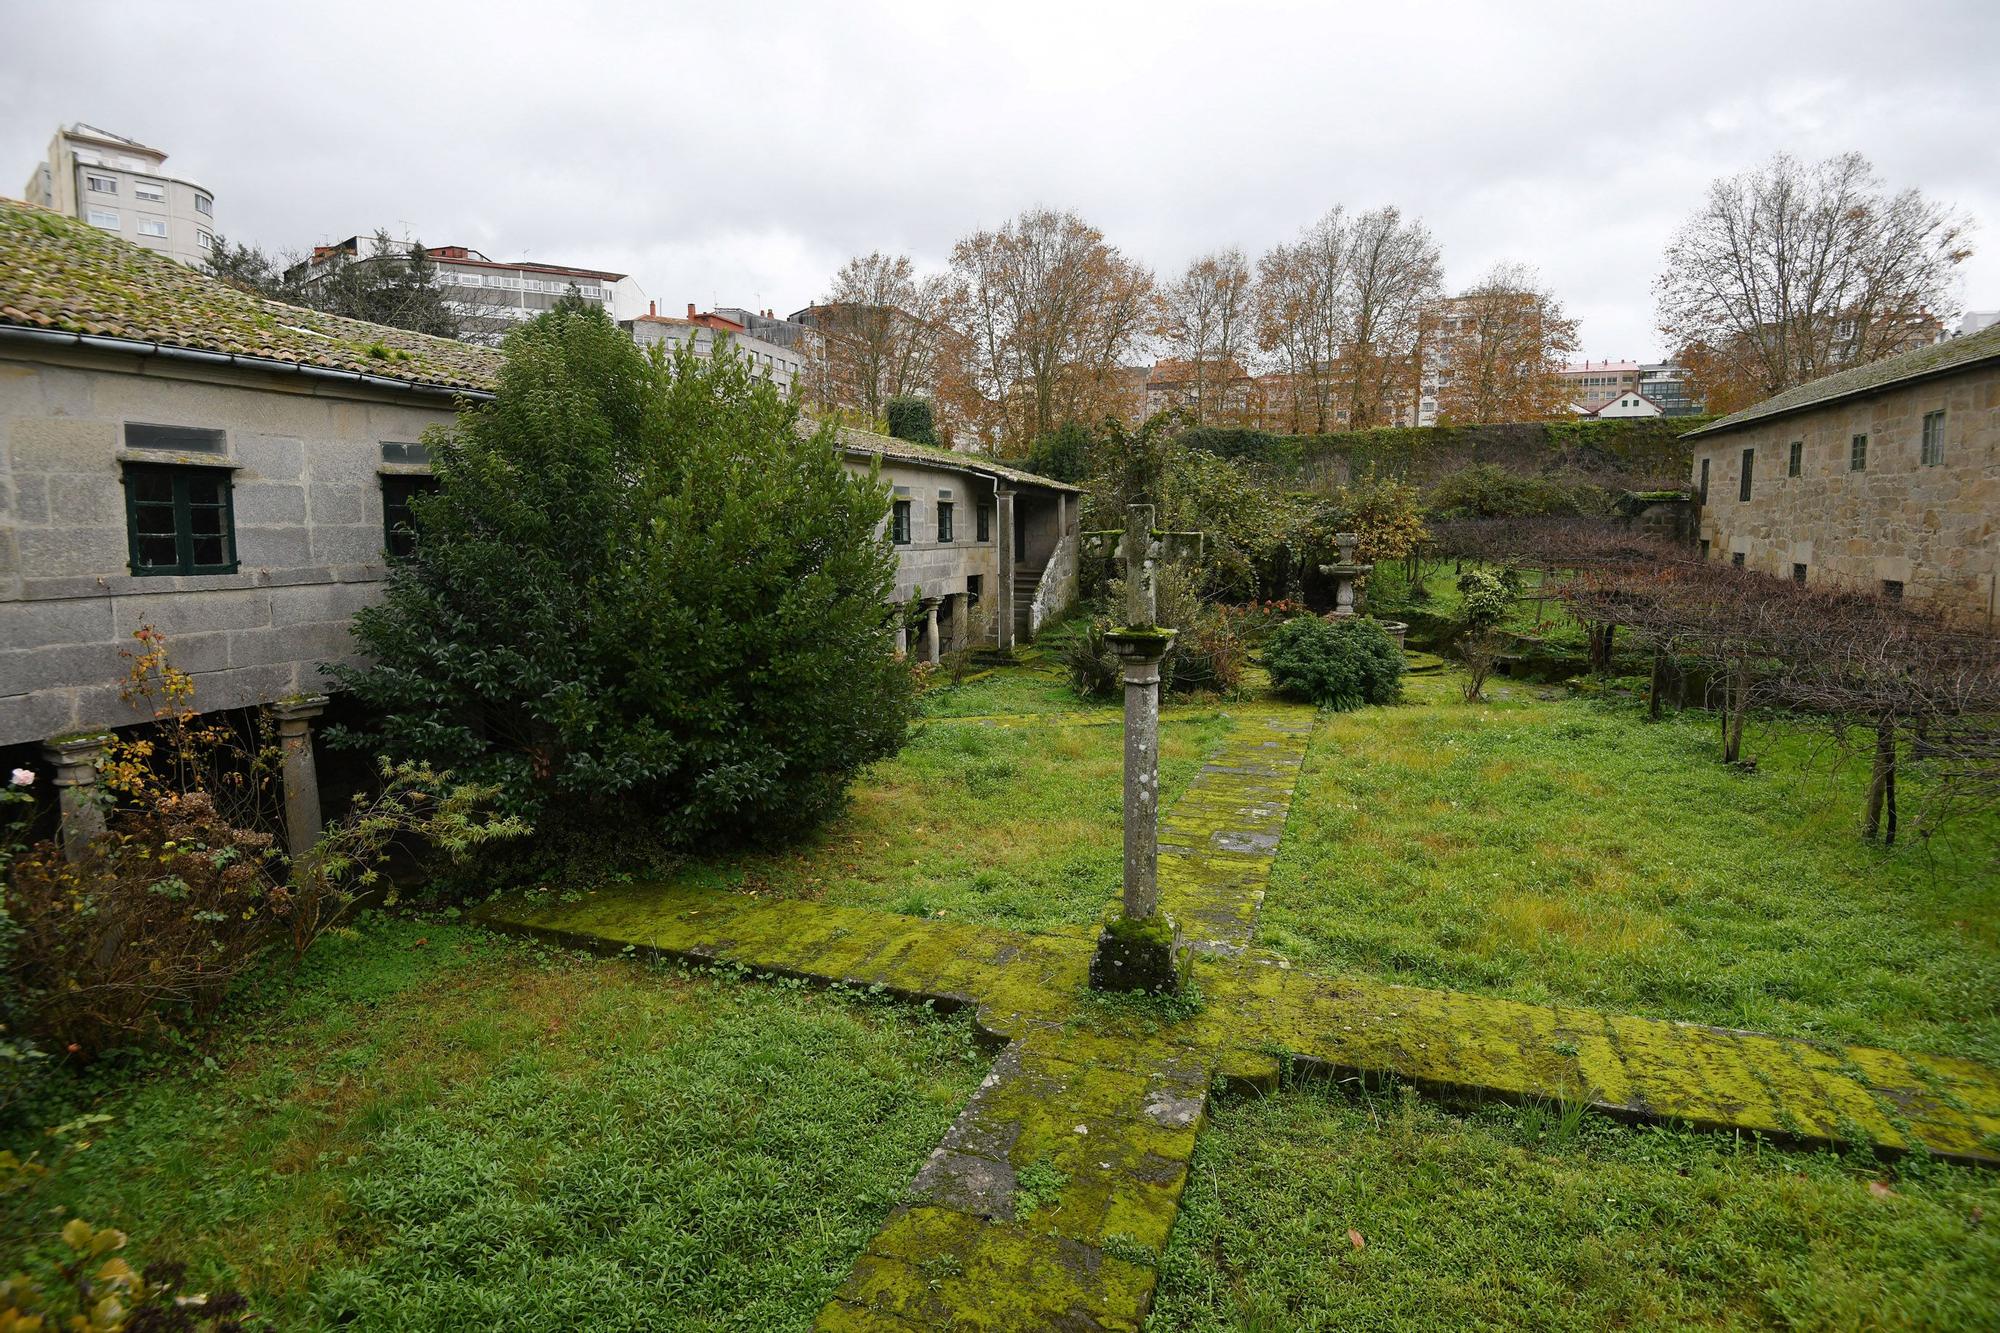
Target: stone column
302,820
902,632
75,759
1140,950
1003,514
930,630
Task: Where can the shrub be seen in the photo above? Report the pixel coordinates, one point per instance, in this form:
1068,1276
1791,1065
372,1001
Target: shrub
641,594
1488,491
1339,664
1487,598
150,928
911,418
100,1292
1087,657
1062,454
1209,656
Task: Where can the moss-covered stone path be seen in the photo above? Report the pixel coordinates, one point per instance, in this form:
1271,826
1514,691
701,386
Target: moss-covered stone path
1048,1202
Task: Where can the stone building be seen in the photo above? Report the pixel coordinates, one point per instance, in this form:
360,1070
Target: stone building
990,552
1884,477
235,473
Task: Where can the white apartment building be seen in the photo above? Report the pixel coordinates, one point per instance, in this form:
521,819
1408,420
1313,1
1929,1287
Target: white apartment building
490,297
121,186
784,366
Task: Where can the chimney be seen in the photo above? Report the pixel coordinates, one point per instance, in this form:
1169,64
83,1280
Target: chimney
652,307
690,310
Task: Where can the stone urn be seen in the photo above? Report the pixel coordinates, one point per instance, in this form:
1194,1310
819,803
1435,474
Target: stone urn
1398,631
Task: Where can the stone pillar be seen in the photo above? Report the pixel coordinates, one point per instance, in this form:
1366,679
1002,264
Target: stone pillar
302,820
1003,514
902,632
930,630
1140,949
75,759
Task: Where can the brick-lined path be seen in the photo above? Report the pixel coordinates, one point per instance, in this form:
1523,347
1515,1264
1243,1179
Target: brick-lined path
1048,1202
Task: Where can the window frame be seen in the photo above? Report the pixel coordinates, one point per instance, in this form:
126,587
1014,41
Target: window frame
161,223
983,522
1857,452
204,204
399,539
901,521
1795,459
1746,480
91,186
945,528
93,216
1702,486
1930,444
179,476
149,192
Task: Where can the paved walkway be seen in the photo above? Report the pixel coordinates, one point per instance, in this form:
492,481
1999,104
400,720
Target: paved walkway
1047,1204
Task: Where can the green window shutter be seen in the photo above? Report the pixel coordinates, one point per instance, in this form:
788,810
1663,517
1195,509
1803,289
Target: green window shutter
179,520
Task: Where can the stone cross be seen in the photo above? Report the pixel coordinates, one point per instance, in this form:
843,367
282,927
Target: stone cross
1140,949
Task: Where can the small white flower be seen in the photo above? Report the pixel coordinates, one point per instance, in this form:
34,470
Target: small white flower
24,777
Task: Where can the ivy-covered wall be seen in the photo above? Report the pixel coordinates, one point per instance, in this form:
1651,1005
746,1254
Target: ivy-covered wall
1618,454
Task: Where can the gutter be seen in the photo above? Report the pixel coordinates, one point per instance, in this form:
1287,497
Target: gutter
268,365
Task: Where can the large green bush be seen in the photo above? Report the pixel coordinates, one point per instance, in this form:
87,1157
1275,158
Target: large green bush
642,598
911,418
1338,664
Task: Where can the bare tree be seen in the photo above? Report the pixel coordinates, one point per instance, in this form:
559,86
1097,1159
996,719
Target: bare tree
882,332
1500,348
1395,271
1303,320
1791,271
1043,313
1204,321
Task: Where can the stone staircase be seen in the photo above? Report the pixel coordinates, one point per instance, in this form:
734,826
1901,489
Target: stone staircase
1027,579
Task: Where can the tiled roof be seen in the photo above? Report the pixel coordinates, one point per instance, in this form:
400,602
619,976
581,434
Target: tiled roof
59,273
1936,359
868,442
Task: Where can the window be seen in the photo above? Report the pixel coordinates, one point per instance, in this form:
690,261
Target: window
204,239
975,588
149,192
179,519
399,525
1704,548
983,521
152,226
1797,455
1703,488
944,520
204,205
900,524
1799,574
173,439
1933,447
1892,589
106,218
1736,559
1857,454
1749,466
100,184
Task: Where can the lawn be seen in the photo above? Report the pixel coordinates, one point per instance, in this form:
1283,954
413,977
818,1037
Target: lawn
436,1128
1527,1218
1016,826
1550,848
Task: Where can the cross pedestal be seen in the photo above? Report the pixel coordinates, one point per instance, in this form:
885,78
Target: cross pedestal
1140,948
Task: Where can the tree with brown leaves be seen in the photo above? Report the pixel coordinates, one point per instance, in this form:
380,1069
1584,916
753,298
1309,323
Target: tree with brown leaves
1043,314
1204,320
1500,348
882,332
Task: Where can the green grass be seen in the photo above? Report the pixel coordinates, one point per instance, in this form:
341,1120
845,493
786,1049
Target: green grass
440,1129
1018,827
1008,690
1567,850
1513,1219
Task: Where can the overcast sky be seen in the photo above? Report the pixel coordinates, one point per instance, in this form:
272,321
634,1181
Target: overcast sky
735,154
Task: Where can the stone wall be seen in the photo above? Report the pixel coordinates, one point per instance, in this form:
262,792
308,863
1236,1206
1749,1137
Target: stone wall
305,462
1933,529
1056,592
1618,455
926,565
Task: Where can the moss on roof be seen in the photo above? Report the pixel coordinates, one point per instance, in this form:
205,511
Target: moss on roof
57,272
859,441
1938,358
